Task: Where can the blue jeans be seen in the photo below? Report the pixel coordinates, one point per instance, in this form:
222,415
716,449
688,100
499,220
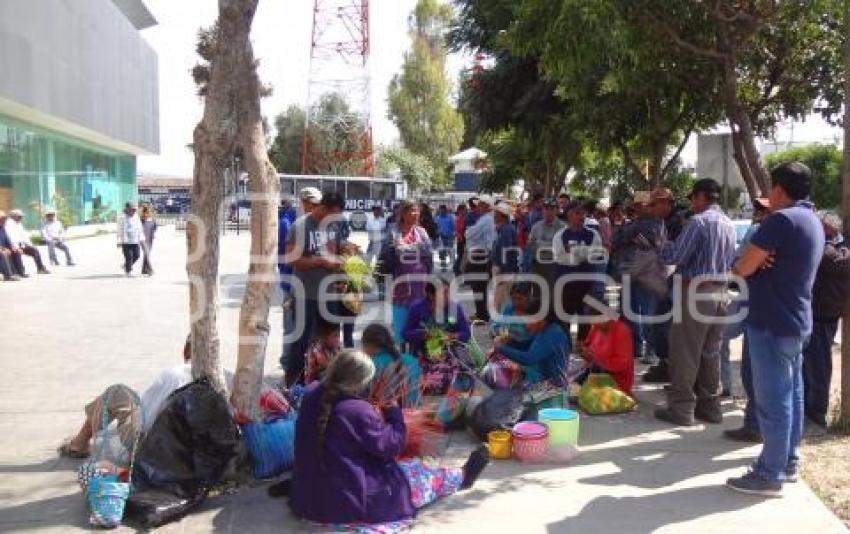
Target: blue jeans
777,365
400,314
817,370
751,421
730,332
642,303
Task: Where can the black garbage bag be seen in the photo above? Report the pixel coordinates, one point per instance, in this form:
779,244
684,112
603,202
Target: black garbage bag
183,455
500,411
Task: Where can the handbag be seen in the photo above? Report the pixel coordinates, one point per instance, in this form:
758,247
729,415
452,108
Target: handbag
106,495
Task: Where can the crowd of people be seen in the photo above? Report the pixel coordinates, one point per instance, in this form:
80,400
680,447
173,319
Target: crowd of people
16,242
579,278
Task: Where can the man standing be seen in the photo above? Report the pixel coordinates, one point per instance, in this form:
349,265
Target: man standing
479,244
21,239
312,247
376,228
446,231
830,300
780,264
130,236
540,254
702,254
672,222
505,256
10,255
640,240
309,197
53,234
576,247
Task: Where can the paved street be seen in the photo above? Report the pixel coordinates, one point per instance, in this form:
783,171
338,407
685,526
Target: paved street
68,335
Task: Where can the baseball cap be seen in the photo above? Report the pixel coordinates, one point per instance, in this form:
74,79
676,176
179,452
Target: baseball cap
310,194
486,199
550,203
16,213
708,186
762,202
50,211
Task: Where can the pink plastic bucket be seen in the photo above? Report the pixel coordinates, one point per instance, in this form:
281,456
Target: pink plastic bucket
530,441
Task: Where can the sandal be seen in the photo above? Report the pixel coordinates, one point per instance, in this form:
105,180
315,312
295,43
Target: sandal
67,450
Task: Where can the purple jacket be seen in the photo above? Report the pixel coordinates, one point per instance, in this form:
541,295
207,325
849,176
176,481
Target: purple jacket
420,317
359,480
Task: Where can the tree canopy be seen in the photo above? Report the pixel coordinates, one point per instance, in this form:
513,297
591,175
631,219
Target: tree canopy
428,124
825,163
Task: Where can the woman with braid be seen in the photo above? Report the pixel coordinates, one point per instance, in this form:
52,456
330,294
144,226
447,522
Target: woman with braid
346,469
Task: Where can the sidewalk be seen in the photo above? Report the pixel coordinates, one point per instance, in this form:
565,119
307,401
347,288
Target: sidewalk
68,335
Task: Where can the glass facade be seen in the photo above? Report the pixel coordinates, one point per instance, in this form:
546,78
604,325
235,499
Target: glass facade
85,183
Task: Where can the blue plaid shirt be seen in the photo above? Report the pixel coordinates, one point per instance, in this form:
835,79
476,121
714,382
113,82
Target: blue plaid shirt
706,245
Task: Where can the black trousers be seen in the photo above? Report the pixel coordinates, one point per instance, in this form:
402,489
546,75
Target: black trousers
11,264
131,256
146,258
817,370
573,303
33,253
477,266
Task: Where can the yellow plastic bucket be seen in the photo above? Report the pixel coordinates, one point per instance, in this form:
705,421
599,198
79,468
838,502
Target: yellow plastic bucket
499,443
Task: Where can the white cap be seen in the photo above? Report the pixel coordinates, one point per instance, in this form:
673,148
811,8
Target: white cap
310,194
486,199
49,211
602,205
505,209
16,213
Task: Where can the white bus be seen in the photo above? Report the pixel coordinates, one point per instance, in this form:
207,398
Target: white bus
361,193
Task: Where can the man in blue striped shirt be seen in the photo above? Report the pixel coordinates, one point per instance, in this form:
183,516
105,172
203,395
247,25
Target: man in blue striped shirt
703,255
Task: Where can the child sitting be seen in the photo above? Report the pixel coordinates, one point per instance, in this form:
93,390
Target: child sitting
321,351
609,349
396,369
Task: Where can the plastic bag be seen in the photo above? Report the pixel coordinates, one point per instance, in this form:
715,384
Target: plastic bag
271,445
500,411
186,450
153,508
648,270
599,395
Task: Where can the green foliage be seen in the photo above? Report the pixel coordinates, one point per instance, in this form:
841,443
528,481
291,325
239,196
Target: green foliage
285,150
419,96
825,163
416,170
335,132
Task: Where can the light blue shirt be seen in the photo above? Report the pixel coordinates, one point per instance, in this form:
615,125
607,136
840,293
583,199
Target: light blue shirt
482,234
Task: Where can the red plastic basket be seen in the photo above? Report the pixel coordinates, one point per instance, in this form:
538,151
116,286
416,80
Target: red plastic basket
530,441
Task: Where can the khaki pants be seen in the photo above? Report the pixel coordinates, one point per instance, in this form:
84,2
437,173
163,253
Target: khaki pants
694,360
122,406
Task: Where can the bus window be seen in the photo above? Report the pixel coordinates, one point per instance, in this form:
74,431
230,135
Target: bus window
383,190
358,189
308,182
287,186
331,185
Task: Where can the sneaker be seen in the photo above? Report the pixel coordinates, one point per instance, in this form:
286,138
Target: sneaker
753,484
43,271
664,414
743,435
792,474
657,374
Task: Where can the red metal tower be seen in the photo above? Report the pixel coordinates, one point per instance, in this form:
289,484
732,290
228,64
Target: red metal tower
338,130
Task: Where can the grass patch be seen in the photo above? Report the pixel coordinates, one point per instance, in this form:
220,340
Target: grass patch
826,468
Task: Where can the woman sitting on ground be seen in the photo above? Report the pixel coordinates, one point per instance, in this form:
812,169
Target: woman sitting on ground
346,473
437,316
546,357
514,333
397,368
609,349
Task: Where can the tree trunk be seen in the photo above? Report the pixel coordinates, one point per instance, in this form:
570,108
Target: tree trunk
845,208
213,145
264,190
743,137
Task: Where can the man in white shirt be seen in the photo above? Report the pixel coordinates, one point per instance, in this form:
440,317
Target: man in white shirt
376,227
130,236
53,234
21,239
479,242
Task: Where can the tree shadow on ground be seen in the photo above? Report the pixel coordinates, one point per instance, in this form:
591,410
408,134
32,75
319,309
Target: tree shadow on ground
58,463
61,511
99,277
651,512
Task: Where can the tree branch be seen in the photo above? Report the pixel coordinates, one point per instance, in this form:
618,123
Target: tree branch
682,43
678,152
627,157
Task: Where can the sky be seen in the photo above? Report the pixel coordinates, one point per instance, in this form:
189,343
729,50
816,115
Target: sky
281,37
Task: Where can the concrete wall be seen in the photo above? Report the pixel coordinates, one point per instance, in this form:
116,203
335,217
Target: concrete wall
81,68
714,160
